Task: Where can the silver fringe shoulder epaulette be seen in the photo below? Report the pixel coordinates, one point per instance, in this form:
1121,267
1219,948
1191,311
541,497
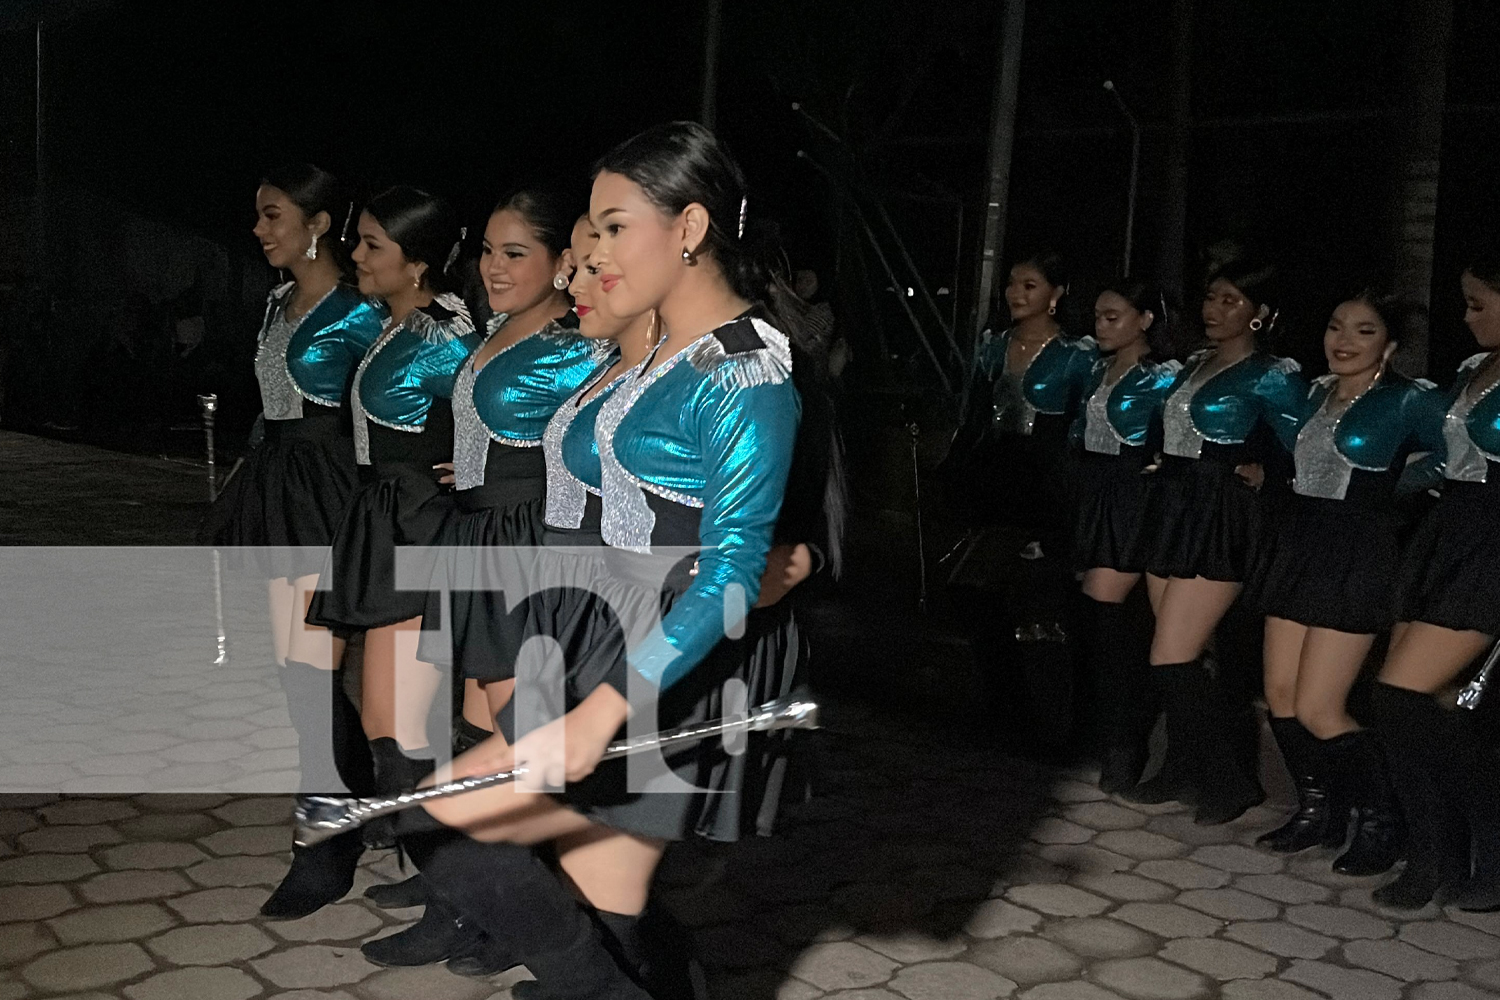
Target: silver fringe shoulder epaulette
743,353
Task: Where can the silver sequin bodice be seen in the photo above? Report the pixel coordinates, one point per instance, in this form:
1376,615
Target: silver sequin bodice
1098,433
471,439
1467,462
1180,435
627,519
278,393
1322,470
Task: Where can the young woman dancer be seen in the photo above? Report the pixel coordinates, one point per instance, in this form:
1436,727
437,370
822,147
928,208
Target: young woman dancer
1038,372
694,449
403,427
1223,405
1123,397
531,359
1448,615
287,501
1326,580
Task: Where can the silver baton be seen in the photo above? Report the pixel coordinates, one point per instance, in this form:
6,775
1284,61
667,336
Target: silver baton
1474,691
320,817
209,404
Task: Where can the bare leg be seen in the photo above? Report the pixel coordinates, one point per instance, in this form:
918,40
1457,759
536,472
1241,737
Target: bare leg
1330,665
612,870
1284,641
1109,586
1186,616
1156,589
398,687
281,598
311,644
1426,657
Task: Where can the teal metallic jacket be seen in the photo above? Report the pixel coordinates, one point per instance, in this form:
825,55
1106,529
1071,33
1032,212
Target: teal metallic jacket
1121,414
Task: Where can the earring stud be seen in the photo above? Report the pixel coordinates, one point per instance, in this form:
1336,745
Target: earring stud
559,281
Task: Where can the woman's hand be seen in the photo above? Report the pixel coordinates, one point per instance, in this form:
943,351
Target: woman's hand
568,749
786,566
447,480
1252,474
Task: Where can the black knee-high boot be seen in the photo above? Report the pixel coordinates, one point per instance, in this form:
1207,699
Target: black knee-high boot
1467,776
510,894
1315,823
1379,833
1175,782
333,756
1121,659
1437,854
1217,783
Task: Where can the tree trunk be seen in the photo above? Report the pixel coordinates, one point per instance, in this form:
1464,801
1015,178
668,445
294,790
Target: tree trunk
1418,141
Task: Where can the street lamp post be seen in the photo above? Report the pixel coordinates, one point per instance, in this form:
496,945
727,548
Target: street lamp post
1135,167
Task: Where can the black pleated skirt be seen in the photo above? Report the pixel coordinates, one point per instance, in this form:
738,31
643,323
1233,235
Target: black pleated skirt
1206,521
283,506
595,610
1329,564
485,625
1113,528
1450,575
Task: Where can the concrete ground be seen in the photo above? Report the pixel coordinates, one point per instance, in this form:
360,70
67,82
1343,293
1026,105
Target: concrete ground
924,868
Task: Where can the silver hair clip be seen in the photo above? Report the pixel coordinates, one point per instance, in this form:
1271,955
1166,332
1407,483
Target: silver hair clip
744,204
458,244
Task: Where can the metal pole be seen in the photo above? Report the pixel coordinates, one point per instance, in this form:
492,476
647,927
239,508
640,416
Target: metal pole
1002,141
44,271
209,404
712,30
1135,170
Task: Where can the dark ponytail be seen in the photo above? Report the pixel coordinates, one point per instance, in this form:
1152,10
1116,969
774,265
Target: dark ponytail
426,229
313,190
678,164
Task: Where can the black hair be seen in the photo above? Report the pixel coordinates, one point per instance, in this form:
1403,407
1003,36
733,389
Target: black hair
1145,295
1256,280
1396,312
313,189
1052,265
549,211
1486,267
678,164
425,228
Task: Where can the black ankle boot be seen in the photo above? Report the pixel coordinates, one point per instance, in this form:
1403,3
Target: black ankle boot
1379,832
333,757
398,895
476,955
508,893
430,940
467,736
395,773
1121,665
1437,852
1174,782
1314,823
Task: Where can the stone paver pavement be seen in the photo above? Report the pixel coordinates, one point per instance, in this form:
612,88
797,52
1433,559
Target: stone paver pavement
885,885
918,871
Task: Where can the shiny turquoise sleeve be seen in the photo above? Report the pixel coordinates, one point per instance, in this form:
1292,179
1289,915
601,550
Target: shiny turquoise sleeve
1282,393
1423,413
746,435
437,361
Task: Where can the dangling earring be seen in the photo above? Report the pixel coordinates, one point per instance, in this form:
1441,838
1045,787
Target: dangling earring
311,253
559,281
1052,309
688,257
1256,323
416,282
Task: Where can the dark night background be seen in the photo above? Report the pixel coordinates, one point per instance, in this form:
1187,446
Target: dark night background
159,118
